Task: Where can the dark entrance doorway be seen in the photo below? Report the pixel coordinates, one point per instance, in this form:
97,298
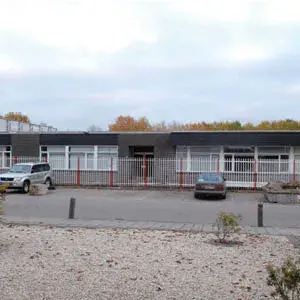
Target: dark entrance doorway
143,160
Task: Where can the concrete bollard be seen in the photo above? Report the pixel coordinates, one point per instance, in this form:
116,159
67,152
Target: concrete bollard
72,208
260,215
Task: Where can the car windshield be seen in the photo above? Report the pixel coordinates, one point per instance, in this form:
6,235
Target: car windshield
210,178
20,169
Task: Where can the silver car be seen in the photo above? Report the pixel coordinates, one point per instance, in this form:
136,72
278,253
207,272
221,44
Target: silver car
210,184
22,175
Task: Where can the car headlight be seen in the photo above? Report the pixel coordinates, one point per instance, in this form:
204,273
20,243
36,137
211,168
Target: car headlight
18,179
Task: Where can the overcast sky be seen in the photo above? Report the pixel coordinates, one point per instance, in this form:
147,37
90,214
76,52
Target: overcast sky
81,62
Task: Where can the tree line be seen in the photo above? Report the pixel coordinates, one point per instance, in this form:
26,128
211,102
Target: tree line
129,123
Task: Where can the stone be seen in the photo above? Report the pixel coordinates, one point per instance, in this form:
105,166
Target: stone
38,189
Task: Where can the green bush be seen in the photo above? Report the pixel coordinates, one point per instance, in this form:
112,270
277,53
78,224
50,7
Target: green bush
285,279
226,224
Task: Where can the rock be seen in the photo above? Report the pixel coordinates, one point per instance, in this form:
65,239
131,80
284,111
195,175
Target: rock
38,190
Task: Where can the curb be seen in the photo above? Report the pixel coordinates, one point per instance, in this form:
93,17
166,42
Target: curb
122,224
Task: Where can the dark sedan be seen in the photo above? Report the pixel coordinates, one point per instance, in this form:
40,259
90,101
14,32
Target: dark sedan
210,184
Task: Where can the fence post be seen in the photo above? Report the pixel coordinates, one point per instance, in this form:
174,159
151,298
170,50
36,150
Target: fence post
72,208
218,165
15,160
111,173
255,174
294,170
181,175
78,171
260,215
145,172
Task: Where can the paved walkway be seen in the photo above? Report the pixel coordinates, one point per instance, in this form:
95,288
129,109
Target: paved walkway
189,227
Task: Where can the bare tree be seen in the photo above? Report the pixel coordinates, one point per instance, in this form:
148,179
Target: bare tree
94,128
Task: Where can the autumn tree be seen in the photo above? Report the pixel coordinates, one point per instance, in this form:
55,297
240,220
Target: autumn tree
128,123
16,116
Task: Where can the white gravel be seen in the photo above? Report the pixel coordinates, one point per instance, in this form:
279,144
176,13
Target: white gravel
39,263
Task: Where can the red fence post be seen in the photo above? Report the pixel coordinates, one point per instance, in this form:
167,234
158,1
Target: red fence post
145,172
15,160
255,174
294,170
181,175
78,171
111,173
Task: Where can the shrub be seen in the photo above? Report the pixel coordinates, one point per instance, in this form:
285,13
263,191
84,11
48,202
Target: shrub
285,279
227,224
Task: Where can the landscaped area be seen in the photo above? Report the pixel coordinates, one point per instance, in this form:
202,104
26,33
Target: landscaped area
50,263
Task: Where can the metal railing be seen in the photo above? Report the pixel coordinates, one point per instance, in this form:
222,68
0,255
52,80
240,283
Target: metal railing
163,172
19,127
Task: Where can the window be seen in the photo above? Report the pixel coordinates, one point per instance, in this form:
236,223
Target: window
5,156
86,157
107,158
273,163
197,159
54,155
239,163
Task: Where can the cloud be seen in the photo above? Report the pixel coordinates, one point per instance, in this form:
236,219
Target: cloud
76,26
78,62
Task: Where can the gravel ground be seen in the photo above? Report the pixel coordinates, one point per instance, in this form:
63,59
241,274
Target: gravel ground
62,264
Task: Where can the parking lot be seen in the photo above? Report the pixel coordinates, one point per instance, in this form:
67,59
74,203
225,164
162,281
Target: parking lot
160,206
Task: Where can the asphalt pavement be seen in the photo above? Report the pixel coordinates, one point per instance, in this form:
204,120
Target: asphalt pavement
148,206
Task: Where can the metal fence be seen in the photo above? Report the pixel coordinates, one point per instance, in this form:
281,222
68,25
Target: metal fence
164,172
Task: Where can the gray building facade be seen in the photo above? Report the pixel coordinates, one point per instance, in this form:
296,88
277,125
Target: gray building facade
163,158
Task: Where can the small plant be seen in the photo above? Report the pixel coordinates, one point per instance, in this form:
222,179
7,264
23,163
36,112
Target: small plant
227,224
285,279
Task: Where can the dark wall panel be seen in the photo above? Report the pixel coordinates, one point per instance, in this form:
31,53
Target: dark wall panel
79,139
5,139
25,144
236,138
160,141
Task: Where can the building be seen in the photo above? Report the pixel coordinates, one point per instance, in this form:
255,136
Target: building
246,158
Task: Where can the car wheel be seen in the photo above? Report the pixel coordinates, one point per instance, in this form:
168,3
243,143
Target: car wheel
196,196
48,182
223,196
26,187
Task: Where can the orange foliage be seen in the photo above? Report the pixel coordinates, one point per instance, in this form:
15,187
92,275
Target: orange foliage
128,123
16,116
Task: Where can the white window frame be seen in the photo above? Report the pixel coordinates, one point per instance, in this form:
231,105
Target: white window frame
3,154
111,155
276,160
96,153
235,159
188,160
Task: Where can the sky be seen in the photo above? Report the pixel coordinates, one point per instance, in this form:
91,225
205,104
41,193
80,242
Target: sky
77,63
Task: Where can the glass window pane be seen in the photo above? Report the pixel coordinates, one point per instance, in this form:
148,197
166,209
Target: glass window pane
90,161
73,160
82,149
104,162
57,160
108,149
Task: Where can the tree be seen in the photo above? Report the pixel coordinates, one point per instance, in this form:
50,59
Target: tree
94,128
16,116
128,123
